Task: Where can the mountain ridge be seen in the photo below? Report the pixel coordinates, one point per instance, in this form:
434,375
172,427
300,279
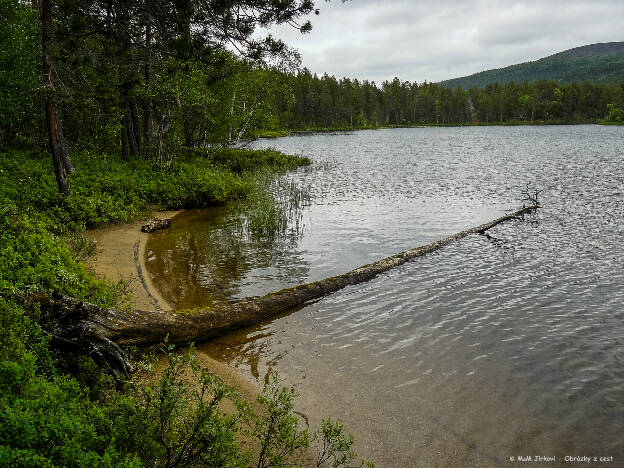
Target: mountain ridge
601,62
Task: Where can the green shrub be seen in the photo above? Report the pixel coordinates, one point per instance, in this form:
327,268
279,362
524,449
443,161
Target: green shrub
240,160
34,259
615,115
107,189
276,427
184,424
282,444
22,338
52,422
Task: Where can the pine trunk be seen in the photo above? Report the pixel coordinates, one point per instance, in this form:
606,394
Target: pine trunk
60,155
147,106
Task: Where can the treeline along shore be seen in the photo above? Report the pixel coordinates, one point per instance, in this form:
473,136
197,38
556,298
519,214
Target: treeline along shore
146,92
326,102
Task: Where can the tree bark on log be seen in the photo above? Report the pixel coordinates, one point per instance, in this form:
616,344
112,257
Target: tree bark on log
99,331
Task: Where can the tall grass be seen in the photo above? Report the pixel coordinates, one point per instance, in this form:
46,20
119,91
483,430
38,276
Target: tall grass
273,210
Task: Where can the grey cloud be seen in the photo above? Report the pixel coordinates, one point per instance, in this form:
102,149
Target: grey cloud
434,40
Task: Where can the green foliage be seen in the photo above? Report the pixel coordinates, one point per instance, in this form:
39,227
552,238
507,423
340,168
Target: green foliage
162,78
176,421
335,447
282,443
52,422
615,115
239,160
49,418
276,427
270,133
32,259
81,247
22,341
180,418
108,189
273,210
328,104
20,116
36,223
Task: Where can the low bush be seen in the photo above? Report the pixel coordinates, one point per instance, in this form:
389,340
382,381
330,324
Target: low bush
107,189
615,116
33,258
240,160
177,421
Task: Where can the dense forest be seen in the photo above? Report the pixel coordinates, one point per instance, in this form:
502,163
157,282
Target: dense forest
153,86
328,102
136,78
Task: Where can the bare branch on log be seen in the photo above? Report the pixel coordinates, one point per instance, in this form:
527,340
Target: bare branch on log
531,196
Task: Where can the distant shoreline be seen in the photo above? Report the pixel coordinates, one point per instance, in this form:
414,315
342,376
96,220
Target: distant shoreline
510,123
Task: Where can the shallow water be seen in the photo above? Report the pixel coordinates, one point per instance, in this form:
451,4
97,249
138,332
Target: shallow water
490,348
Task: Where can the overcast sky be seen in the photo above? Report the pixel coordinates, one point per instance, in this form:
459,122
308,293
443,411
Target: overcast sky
429,40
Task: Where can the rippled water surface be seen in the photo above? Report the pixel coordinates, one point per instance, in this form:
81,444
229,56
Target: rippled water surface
490,348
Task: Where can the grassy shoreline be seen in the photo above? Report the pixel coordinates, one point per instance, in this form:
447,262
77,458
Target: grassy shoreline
347,128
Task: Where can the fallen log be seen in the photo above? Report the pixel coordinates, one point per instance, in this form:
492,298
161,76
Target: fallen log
155,225
98,331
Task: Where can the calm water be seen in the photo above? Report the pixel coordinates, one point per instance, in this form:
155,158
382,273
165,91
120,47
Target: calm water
487,349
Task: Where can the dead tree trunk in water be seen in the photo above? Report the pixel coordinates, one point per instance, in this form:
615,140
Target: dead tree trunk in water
76,324
60,156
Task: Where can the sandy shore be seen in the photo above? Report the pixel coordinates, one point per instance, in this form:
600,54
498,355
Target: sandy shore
121,255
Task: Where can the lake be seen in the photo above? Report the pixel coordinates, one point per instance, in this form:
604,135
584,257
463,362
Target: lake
494,347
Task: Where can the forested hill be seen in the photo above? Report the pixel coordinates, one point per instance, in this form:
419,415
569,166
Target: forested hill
596,63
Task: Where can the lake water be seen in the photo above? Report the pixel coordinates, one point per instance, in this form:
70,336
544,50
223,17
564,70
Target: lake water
490,348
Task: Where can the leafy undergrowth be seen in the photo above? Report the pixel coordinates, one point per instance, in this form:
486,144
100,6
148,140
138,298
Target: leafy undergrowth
40,242
241,160
52,420
107,189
